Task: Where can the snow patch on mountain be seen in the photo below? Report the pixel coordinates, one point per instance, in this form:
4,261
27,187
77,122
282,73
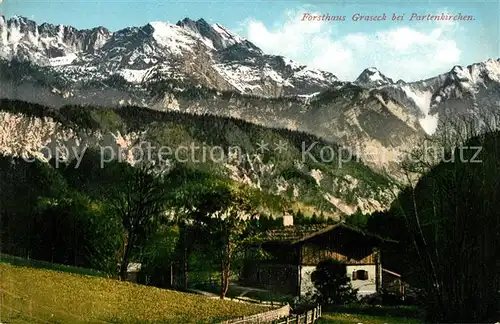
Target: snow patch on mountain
291,63
228,38
134,76
372,77
309,73
493,69
237,75
244,77
209,55
422,100
3,31
429,123
309,96
473,76
469,82
172,37
273,75
64,60
375,76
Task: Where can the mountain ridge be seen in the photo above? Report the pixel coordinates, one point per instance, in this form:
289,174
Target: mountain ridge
196,67
137,53
337,189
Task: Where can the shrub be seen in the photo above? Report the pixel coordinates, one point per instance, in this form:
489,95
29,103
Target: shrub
332,283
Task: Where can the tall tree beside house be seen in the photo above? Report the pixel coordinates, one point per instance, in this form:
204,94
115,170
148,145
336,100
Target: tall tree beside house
322,219
314,219
222,217
387,224
139,199
358,219
216,218
452,218
192,198
228,228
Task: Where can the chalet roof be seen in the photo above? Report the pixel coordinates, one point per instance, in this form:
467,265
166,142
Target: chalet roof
297,234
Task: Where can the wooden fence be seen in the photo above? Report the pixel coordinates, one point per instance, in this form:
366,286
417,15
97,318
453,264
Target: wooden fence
308,317
280,316
271,303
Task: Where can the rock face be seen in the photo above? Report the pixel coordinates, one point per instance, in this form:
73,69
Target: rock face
203,54
312,184
202,68
48,44
371,77
468,91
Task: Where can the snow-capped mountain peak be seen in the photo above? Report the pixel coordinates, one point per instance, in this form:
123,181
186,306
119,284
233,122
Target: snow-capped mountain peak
470,82
171,66
219,36
477,72
461,91
47,44
173,37
193,52
372,77
228,38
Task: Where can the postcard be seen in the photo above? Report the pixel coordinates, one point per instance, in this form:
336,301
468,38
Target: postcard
265,161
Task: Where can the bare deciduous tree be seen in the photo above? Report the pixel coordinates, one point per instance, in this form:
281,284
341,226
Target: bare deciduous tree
453,220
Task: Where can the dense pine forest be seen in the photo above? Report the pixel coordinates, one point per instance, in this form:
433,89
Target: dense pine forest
86,215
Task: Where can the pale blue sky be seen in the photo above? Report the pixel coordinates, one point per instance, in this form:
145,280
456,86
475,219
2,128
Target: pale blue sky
407,49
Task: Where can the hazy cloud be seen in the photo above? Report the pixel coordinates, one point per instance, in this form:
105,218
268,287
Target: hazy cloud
402,52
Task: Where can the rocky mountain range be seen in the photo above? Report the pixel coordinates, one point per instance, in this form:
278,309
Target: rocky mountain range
200,68
269,161
192,51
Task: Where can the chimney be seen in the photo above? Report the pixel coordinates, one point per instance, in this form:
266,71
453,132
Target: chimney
287,218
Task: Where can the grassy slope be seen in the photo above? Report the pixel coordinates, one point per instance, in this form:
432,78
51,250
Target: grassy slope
32,263
344,318
371,314
237,291
32,295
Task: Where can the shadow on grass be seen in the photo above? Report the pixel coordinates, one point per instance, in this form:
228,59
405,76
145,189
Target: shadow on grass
345,318
377,310
18,261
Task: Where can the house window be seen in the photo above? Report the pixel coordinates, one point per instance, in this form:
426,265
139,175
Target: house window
360,275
